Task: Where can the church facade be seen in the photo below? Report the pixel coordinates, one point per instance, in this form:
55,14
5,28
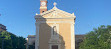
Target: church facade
54,29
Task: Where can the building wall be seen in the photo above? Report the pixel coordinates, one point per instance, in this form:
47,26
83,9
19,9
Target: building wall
44,35
44,23
78,39
64,34
31,41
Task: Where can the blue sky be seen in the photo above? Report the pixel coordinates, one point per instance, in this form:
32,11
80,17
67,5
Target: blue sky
18,15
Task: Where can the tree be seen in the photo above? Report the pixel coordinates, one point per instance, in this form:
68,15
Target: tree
97,39
11,41
6,39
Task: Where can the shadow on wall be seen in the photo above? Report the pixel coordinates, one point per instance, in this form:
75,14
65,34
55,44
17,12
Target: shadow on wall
49,37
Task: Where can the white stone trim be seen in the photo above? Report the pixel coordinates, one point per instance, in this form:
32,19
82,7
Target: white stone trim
58,10
37,36
55,21
49,17
72,36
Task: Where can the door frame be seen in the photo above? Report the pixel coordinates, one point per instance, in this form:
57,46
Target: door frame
50,46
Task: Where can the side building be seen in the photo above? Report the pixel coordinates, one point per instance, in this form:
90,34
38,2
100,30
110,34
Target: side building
78,40
2,28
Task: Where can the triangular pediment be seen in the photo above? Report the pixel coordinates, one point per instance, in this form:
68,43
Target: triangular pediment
56,13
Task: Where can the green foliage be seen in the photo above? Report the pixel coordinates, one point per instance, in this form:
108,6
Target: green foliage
97,39
11,41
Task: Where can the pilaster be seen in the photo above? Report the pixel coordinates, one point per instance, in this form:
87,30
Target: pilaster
37,36
72,36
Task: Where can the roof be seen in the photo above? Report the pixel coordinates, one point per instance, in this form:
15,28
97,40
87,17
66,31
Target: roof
55,10
3,27
79,36
31,36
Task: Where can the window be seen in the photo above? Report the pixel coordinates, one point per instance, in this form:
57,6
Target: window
42,11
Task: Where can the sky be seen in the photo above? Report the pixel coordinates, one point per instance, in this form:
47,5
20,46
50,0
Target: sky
18,15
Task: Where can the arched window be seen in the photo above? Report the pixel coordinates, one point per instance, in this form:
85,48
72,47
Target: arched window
54,30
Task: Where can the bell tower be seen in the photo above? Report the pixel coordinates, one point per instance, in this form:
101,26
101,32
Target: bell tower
43,6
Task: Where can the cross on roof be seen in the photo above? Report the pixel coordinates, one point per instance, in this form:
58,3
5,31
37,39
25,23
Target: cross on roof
55,4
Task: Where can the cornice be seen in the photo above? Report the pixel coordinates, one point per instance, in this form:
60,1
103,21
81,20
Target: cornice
58,11
41,17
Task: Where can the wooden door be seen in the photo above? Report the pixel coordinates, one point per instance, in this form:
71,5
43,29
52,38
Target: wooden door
54,46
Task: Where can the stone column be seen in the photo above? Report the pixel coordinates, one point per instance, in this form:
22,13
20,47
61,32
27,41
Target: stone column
72,36
37,36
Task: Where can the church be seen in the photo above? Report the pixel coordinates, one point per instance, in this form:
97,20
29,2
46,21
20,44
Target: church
54,29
